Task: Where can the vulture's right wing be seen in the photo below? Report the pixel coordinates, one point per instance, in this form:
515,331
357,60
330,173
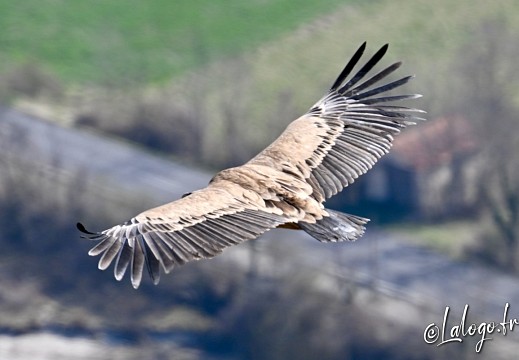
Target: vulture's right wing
194,227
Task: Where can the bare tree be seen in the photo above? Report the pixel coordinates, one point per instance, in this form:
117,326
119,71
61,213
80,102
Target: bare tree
491,77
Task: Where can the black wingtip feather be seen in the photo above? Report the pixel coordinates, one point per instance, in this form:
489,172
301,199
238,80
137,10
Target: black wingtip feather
365,69
82,228
373,80
349,66
383,88
390,98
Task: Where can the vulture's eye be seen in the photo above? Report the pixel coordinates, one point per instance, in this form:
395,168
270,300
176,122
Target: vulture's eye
186,194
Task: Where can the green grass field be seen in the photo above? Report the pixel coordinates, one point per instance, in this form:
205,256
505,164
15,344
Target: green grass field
107,42
121,42
451,238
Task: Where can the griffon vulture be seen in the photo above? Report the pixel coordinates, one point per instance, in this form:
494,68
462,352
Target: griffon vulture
338,139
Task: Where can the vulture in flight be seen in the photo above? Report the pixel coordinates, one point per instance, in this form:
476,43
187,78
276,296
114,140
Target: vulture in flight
319,154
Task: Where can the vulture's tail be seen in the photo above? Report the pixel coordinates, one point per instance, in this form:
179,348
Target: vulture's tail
336,227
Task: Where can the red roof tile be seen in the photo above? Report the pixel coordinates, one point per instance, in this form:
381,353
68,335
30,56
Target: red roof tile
435,142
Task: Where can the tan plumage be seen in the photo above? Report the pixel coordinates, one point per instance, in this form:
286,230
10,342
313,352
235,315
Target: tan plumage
338,139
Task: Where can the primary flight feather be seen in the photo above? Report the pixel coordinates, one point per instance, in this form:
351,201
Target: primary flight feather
337,140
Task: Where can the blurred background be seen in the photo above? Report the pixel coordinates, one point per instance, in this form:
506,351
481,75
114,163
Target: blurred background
111,107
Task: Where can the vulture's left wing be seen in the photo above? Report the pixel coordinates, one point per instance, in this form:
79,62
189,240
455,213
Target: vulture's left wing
346,132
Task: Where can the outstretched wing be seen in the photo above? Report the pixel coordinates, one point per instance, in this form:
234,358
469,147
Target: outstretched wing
197,226
346,132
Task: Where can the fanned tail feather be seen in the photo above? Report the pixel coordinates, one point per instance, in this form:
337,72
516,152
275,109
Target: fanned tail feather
336,227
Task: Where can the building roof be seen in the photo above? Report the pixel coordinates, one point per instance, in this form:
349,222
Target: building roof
437,142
